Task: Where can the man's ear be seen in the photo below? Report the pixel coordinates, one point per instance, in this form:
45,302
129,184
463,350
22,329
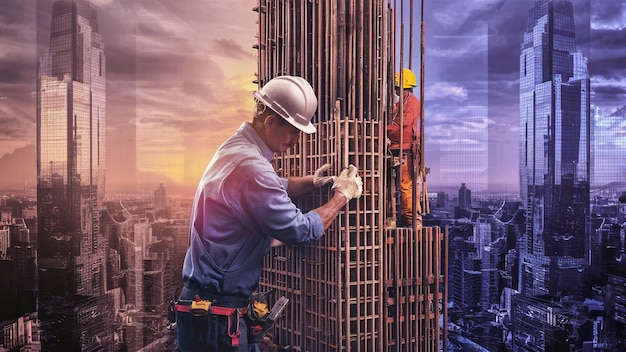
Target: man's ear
269,121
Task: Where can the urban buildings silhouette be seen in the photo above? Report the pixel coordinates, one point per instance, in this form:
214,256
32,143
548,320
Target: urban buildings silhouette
486,305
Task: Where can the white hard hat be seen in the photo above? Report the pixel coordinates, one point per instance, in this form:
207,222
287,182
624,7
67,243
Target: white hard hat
292,98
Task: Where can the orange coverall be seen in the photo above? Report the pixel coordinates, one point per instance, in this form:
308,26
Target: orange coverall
411,112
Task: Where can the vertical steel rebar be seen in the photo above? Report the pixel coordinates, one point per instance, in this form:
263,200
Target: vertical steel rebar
361,287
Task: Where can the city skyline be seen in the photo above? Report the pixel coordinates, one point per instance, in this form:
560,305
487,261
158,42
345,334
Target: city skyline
515,271
188,69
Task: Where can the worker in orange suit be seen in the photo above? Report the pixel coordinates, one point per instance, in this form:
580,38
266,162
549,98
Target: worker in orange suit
407,149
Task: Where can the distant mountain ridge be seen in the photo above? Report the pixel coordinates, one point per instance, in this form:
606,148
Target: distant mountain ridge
19,169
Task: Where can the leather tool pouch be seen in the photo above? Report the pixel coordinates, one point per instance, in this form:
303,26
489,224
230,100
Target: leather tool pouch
256,317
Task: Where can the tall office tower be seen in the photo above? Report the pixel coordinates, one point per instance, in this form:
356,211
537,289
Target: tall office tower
491,249
361,287
554,163
465,277
465,197
554,150
70,181
160,198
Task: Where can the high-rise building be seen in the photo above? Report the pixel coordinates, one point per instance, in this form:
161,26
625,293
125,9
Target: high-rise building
465,197
554,150
70,180
363,286
464,268
160,198
555,138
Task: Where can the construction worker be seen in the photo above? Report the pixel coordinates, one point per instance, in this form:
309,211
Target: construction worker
241,208
407,149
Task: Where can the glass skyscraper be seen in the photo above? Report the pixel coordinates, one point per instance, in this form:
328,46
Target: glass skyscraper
555,137
70,180
554,149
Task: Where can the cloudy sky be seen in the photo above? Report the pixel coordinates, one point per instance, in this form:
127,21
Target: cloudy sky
472,61
179,79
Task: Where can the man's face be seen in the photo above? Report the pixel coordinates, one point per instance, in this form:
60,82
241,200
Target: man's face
280,134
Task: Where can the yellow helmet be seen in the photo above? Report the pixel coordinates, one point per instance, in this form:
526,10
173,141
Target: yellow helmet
408,79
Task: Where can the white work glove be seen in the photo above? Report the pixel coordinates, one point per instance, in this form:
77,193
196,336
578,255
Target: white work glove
349,183
319,180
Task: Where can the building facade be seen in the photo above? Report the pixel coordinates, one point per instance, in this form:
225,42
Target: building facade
555,149
71,163
465,197
555,138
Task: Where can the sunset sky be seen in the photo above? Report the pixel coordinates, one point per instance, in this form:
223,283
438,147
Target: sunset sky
179,77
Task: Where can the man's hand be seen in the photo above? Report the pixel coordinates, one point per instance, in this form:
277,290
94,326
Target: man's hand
319,180
349,183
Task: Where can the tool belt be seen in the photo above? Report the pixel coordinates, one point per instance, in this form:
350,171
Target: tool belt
258,316
200,307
